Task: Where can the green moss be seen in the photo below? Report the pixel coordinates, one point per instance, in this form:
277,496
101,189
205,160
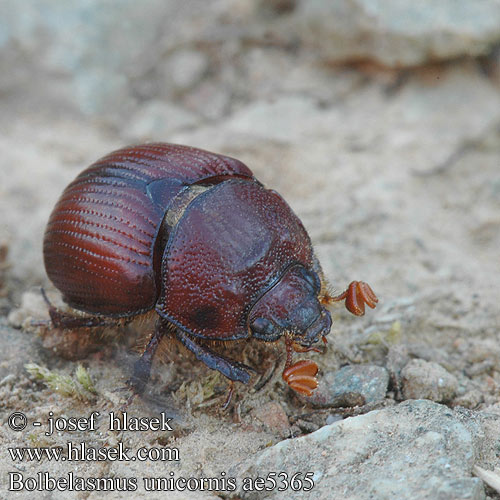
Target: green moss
80,387
199,391
83,377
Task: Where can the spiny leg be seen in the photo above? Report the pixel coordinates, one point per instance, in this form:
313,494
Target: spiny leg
142,367
67,321
231,369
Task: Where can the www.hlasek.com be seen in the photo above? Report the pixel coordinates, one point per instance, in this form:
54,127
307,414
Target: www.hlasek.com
83,452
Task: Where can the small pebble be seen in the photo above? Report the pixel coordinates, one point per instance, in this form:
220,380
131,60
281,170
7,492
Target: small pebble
306,426
479,368
471,399
273,418
427,380
353,385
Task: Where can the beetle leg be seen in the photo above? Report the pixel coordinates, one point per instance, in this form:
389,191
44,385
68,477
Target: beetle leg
356,296
299,348
142,367
291,345
229,395
303,367
67,321
301,376
231,369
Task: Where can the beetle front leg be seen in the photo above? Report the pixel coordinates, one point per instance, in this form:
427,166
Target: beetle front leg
231,369
142,367
300,376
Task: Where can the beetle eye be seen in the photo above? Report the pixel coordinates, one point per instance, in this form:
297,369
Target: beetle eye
312,278
262,326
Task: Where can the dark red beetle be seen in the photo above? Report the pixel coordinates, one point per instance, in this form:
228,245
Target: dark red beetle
196,237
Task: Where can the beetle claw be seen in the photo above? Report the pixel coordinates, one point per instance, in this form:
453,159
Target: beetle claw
356,296
128,402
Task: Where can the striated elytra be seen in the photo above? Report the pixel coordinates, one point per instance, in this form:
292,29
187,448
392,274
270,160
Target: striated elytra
195,237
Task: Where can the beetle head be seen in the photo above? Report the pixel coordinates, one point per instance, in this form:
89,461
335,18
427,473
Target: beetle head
291,307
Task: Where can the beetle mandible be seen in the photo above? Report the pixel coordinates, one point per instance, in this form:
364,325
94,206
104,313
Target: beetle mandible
196,237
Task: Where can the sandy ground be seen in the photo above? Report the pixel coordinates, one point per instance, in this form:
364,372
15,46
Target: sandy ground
395,173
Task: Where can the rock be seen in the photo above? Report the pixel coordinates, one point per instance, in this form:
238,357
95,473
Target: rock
71,344
395,32
393,173
397,358
480,350
428,380
486,366
403,127
21,192
351,386
368,380
417,450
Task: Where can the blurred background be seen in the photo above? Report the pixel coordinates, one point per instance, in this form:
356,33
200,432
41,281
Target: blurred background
377,120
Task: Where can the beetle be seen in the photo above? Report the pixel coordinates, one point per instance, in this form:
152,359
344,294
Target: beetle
194,236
